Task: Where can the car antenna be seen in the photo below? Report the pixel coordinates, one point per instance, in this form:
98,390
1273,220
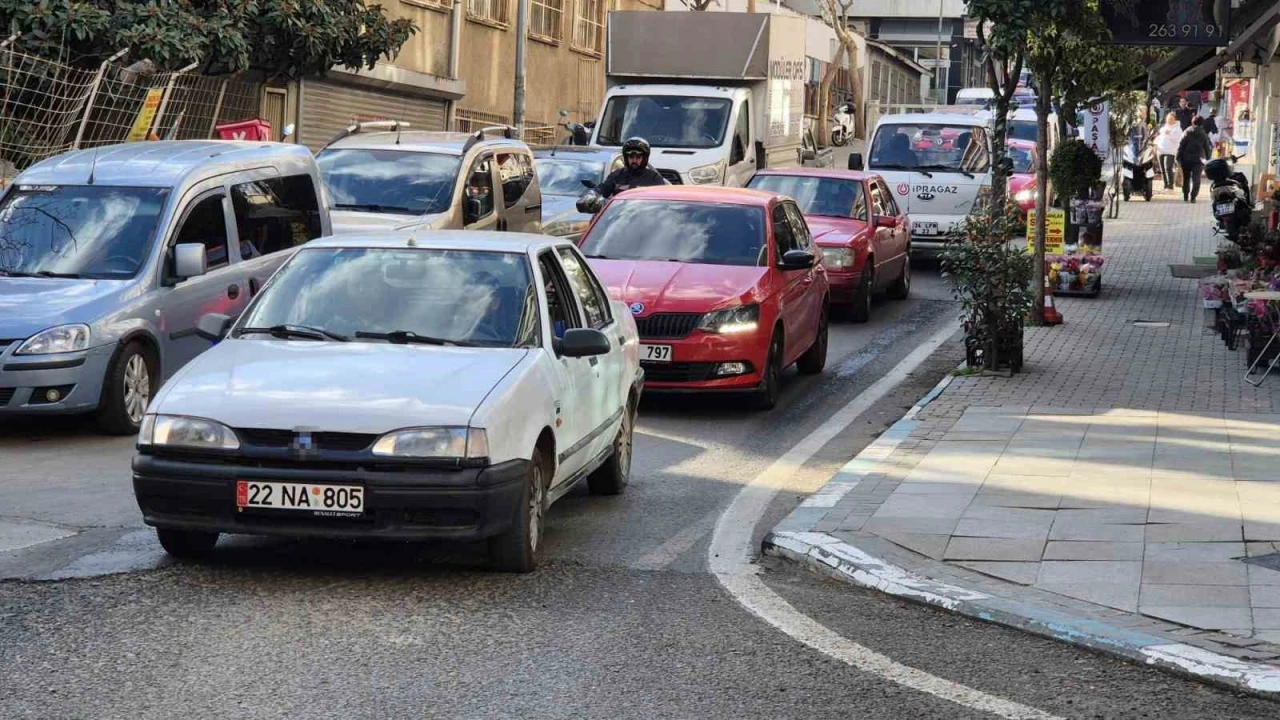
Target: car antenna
93,164
397,132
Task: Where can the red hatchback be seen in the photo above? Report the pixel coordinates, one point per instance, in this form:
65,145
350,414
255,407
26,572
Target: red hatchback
1022,183
865,238
725,284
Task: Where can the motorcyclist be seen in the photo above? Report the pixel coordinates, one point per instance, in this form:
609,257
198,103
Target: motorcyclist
635,171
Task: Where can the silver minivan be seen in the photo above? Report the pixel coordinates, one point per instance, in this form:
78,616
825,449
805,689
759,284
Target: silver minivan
109,258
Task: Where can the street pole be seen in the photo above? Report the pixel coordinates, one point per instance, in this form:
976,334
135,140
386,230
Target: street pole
522,37
937,60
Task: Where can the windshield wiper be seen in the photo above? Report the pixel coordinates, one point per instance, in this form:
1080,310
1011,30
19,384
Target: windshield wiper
406,337
299,331
41,273
947,168
374,207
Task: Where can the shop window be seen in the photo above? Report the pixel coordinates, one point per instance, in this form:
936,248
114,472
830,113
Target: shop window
546,20
588,26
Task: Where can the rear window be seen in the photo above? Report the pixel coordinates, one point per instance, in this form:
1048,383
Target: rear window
705,233
389,181
832,197
1022,130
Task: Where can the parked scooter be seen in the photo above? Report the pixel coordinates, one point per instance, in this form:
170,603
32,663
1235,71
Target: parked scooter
1229,191
842,125
579,133
1139,173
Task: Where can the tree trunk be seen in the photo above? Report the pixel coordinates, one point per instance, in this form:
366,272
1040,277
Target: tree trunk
1042,198
824,98
859,102
1003,88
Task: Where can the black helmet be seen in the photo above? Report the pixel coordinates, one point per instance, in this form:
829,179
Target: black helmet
636,146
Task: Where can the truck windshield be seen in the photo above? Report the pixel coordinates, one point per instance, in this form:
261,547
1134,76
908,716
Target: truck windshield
89,231
668,121
689,232
389,181
831,197
929,147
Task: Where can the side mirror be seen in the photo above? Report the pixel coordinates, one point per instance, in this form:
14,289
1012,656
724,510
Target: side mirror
584,342
886,221
288,131
188,260
564,113
213,327
855,161
798,260
472,209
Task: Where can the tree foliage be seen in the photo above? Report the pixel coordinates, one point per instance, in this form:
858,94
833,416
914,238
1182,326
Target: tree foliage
274,38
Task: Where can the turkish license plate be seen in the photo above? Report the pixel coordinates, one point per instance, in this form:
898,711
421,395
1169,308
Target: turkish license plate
323,500
925,228
655,353
1223,209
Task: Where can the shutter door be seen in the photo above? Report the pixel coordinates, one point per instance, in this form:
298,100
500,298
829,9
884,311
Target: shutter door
328,107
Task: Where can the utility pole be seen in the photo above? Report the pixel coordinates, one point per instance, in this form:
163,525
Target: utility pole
937,61
522,37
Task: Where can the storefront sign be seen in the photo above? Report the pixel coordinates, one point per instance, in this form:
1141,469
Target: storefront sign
1055,227
1167,22
1096,131
147,115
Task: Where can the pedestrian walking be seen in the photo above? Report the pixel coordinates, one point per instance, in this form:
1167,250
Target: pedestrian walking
1167,139
1193,152
1185,114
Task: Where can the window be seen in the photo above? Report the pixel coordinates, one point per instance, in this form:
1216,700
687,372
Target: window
275,214
546,20
886,198
594,300
834,197
490,12
515,172
389,181
443,5
877,200
686,232
480,187
742,134
798,227
561,310
782,233
207,225
860,207
588,26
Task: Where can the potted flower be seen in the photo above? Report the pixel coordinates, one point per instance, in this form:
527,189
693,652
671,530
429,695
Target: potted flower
1075,170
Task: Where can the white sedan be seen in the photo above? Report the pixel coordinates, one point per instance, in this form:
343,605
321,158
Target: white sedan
438,385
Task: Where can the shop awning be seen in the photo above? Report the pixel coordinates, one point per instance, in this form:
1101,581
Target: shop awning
1187,67
1258,38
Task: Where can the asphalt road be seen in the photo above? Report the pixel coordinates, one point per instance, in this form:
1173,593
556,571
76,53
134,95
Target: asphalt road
623,619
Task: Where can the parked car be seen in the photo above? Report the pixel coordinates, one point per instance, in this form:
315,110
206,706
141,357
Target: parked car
1022,183
108,258
864,237
438,385
564,174
384,176
726,286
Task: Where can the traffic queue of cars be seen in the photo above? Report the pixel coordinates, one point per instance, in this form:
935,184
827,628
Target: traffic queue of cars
309,346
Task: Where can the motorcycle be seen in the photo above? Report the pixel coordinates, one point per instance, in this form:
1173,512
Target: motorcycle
1229,191
579,133
842,125
1139,173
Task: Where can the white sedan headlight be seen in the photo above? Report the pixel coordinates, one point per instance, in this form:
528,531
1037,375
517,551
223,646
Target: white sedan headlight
187,432
434,442
1025,195
837,258
61,339
707,174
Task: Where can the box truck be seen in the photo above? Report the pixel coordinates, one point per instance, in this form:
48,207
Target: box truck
718,95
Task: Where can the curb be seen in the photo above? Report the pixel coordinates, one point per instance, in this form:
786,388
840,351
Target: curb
828,555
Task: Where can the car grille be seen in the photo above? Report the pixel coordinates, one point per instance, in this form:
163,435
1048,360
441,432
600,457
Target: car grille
667,326
6,394
678,372
671,176
345,442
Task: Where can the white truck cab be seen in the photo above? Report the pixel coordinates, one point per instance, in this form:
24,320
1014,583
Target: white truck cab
938,166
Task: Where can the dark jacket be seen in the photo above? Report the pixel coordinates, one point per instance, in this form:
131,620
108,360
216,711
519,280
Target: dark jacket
1184,116
1210,125
1195,148
625,179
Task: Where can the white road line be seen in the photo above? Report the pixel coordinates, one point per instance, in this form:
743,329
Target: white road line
731,556
677,544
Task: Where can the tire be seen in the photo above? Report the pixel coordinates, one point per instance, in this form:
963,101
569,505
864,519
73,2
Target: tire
1146,194
611,477
901,288
1126,189
187,544
127,390
815,358
838,138
861,310
766,398
515,549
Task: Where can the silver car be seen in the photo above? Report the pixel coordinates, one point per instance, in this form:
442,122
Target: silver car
109,257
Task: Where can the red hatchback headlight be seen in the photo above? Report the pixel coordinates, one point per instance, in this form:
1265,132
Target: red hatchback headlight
740,319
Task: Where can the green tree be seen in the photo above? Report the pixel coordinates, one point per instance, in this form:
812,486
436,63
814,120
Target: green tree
271,38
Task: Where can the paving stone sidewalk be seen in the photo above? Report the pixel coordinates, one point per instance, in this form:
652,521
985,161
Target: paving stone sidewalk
1127,476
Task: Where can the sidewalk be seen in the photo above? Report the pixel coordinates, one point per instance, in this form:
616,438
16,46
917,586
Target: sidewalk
1122,492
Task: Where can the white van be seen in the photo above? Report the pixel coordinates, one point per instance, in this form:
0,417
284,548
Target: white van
939,167
1022,126
979,96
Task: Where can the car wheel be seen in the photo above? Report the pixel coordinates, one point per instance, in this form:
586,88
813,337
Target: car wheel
1146,194
515,549
902,286
815,358
611,477
766,398
861,310
187,544
129,385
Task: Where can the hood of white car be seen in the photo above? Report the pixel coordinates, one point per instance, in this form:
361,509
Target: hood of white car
333,386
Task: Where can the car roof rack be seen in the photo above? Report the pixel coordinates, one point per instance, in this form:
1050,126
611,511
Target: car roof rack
379,125
507,131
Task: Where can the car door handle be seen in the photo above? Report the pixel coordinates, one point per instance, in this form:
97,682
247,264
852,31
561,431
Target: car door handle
531,208
233,291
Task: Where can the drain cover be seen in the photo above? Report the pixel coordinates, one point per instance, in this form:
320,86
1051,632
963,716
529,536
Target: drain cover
1271,562
1150,323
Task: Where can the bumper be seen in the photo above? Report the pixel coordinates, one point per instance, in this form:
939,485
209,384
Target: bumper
843,285
695,361
417,504
77,376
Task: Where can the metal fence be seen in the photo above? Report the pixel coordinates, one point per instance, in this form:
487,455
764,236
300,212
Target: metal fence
47,108
536,134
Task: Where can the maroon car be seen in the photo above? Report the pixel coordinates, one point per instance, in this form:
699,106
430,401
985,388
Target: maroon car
864,236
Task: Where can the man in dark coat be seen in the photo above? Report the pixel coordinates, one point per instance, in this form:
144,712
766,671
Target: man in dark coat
1184,114
1193,152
